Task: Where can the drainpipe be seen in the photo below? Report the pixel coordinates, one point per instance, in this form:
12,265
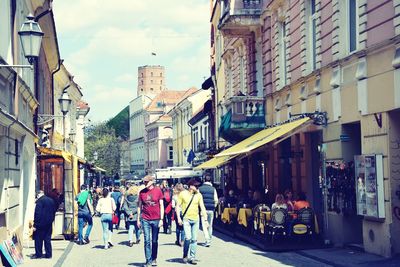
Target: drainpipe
8,170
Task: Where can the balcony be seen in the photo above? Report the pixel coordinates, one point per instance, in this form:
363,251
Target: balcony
239,17
245,117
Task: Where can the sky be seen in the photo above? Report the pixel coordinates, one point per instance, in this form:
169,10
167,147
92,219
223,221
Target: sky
103,43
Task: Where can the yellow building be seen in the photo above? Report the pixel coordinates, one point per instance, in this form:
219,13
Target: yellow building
181,114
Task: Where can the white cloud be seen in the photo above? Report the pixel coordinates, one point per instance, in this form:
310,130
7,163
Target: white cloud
103,42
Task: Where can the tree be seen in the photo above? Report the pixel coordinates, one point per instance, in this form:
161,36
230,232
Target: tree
120,123
102,139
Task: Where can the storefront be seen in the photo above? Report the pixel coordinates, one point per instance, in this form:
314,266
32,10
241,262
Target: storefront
59,178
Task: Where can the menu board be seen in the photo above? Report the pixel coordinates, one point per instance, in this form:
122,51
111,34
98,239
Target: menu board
369,185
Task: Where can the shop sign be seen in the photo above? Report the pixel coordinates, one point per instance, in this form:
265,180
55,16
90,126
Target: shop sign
369,185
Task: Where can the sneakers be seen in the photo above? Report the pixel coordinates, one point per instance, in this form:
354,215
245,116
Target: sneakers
185,260
207,244
131,243
154,263
138,241
192,261
86,239
110,244
80,242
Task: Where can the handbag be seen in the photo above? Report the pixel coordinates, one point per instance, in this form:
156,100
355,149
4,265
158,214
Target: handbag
114,218
184,213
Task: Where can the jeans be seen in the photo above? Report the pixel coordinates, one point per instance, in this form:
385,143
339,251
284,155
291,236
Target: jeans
82,218
167,222
191,227
150,250
133,226
180,234
208,232
106,222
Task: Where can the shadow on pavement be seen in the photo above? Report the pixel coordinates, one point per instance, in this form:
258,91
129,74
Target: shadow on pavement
136,264
176,260
167,244
98,247
124,243
122,232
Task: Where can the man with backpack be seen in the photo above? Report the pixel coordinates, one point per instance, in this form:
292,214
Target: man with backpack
85,210
116,195
210,199
167,193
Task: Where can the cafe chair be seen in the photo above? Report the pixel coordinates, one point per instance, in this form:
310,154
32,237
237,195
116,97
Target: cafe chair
303,224
277,225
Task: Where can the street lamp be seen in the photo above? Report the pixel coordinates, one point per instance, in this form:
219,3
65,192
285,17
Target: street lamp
31,40
65,104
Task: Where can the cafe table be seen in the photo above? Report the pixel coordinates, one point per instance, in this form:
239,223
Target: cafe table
227,214
243,215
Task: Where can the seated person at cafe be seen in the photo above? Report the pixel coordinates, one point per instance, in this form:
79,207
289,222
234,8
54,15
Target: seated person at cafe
289,200
230,199
301,202
247,199
279,202
257,198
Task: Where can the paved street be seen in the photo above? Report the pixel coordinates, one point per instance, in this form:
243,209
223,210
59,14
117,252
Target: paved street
224,251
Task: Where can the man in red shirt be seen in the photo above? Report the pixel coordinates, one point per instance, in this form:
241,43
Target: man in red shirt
150,214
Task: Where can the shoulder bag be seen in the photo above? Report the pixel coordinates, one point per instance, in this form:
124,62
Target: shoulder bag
114,218
184,213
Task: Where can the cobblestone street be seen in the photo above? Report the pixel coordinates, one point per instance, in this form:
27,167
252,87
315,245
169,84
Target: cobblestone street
225,251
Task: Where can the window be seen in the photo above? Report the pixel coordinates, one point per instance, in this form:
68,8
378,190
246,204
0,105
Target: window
353,24
142,82
242,73
312,35
170,153
160,74
151,74
141,74
161,82
151,81
282,40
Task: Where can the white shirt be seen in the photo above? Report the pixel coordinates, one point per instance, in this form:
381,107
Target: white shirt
106,205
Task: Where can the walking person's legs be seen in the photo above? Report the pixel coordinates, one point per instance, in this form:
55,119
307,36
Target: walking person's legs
193,242
81,223
131,227
154,240
188,236
208,231
147,241
105,226
89,221
137,232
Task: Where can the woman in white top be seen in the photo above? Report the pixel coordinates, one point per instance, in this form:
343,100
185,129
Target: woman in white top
106,207
279,202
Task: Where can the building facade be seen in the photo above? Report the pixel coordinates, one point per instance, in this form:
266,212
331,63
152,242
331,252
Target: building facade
151,80
181,113
339,58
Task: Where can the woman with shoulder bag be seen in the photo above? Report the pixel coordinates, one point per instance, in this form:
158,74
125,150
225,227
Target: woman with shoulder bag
130,206
106,207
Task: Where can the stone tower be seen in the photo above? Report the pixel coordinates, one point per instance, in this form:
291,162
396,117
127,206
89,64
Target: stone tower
151,80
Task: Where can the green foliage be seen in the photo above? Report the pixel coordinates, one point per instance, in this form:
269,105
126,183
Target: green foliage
102,139
120,123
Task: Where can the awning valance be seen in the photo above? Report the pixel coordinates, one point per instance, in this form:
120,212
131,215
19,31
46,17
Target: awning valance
214,163
263,137
44,151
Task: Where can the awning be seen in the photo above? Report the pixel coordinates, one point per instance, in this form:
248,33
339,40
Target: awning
81,160
214,163
263,137
44,151
98,169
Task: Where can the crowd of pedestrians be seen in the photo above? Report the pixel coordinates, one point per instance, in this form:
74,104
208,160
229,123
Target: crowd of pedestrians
144,207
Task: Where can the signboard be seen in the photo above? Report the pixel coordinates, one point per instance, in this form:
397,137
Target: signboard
369,185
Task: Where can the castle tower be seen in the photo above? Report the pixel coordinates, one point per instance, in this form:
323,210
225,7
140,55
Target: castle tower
151,80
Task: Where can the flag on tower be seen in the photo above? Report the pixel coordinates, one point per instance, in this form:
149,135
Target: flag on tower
153,54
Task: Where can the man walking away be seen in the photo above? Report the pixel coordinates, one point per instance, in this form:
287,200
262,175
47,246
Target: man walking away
85,210
116,195
189,203
151,211
167,193
210,199
43,225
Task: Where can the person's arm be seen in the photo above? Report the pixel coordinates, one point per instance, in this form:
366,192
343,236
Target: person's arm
139,209
37,216
215,198
113,205
90,206
202,207
161,211
178,209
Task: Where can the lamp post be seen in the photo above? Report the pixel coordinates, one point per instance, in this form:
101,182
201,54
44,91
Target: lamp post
31,39
65,104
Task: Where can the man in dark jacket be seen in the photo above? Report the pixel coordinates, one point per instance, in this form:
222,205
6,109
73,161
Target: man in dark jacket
210,199
43,225
116,195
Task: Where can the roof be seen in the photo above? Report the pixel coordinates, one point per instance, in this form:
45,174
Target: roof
168,98
82,105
